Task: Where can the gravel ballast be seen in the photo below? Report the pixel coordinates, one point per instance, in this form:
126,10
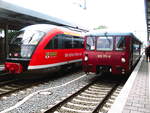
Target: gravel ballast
37,99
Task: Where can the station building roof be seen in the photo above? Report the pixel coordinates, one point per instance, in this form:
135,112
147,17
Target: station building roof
17,17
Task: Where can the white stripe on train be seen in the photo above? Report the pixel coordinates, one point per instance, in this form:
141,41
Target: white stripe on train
53,65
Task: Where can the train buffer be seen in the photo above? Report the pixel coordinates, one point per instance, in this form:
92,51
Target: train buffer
135,95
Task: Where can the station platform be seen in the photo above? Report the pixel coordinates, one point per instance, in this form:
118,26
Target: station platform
135,95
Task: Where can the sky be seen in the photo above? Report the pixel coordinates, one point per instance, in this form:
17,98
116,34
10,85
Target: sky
117,15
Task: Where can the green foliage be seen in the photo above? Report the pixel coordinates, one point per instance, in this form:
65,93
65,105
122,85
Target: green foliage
100,27
1,30
11,34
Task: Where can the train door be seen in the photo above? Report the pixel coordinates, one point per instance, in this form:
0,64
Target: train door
90,50
53,50
104,48
73,48
89,56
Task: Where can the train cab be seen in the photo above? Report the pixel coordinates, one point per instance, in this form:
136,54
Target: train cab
110,52
44,47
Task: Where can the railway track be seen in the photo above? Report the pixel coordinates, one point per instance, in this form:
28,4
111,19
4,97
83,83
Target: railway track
5,76
93,98
4,73
9,87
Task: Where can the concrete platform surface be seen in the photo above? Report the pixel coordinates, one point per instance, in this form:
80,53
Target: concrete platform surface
135,95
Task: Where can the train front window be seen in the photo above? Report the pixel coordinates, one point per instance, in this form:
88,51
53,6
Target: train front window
23,43
120,43
90,43
27,37
104,43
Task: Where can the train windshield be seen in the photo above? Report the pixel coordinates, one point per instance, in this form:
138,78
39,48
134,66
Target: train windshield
90,43
120,43
27,38
104,43
23,43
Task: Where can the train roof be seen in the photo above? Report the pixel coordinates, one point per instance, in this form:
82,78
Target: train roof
40,27
112,34
96,33
48,27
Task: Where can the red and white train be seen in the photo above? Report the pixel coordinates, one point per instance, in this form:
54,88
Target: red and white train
44,47
111,52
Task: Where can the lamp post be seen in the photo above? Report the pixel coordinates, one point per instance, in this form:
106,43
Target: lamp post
84,5
81,4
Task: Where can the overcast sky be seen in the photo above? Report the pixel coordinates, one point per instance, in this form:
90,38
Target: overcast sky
121,15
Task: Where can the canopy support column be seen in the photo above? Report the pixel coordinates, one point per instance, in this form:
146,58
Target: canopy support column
6,41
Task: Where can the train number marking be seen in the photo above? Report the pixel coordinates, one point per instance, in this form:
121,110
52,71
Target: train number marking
104,56
50,54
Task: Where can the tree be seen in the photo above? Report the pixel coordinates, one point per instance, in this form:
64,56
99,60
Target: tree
100,27
11,34
1,30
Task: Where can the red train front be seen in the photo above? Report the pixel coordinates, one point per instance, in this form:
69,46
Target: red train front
110,52
43,47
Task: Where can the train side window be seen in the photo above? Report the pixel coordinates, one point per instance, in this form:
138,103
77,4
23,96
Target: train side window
62,41
136,47
58,42
67,42
90,43
77,42
55,43
120,43
50,45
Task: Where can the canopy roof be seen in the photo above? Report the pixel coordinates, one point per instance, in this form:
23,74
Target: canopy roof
147,4
17,17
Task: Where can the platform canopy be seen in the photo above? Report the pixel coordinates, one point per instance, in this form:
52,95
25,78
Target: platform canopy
147,2
17,17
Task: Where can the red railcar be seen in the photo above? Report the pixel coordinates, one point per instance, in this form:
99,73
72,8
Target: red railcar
44,47
111,52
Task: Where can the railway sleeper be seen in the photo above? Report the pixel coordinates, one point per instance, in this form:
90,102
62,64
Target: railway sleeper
88,99
91,95
83,103
101,87
69,110
4,90
79,107
96,93
9,87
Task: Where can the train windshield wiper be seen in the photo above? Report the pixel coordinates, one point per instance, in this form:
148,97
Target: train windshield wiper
107,38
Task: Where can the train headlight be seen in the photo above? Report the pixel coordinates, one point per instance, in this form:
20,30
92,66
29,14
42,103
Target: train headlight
86,58
10,54
123,60
110,70
29,55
